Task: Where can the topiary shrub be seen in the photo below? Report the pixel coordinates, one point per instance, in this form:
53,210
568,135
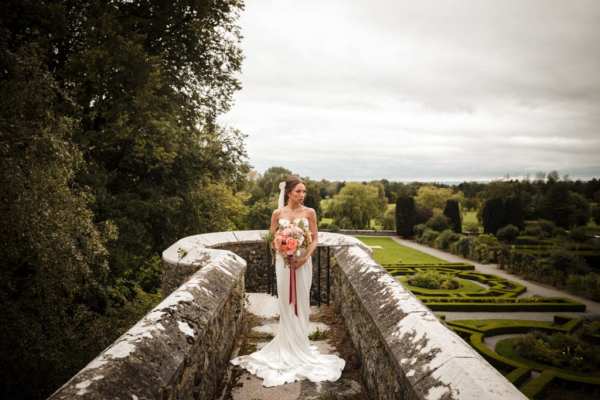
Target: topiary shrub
438,223
508,233
406,216
560,232
445,238
493,215
433,280
533,230
462,246
547,227
578,234
452,212
596,214
564,261
419,229
485,248
558,349
587,285
428,237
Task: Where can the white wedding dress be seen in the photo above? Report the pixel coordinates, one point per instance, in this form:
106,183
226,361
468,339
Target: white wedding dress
290,356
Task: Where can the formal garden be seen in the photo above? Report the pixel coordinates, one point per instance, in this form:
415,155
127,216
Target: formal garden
545,359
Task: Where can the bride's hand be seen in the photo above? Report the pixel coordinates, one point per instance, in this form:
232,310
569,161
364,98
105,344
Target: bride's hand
298,262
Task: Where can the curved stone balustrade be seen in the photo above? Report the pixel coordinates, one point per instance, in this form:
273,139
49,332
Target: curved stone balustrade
407,353
181,348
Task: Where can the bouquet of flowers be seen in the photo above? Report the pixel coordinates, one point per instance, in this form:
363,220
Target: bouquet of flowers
290,239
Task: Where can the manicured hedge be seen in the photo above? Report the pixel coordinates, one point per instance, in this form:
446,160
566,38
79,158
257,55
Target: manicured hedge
500,295
444,304
519,370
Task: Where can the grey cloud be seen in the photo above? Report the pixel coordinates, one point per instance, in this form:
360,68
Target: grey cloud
367,89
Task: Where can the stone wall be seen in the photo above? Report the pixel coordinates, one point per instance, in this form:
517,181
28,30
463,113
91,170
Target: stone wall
182,258
406,352
180,349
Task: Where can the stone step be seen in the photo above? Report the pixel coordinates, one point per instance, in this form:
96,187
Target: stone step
262,315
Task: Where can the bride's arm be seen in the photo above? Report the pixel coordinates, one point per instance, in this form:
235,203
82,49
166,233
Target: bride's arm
312,222
274,221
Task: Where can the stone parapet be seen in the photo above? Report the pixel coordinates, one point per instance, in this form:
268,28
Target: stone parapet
406,352
180,349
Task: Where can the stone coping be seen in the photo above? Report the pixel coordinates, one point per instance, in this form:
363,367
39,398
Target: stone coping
434,361
164,354
195,246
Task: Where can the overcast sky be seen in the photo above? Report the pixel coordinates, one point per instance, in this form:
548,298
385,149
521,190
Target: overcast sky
427,90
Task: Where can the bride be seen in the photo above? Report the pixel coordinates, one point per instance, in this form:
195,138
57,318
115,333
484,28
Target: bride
290,356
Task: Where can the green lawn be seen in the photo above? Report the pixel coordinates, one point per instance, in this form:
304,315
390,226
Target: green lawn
392,252
470,220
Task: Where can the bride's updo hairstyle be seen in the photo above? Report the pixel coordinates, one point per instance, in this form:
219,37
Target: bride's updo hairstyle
290,184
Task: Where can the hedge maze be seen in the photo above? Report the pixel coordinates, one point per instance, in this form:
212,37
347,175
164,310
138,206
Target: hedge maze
531,377
485,292
477,291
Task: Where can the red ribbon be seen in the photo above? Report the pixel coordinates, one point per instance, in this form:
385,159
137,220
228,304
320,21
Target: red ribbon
292,290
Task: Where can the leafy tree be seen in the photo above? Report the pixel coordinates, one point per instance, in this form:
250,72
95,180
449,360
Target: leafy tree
582,210
313,196
356,204
110,150
596,214
514,211
434,197
54,257
259,214
564,207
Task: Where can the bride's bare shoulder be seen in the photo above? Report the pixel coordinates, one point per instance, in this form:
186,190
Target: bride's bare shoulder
309,212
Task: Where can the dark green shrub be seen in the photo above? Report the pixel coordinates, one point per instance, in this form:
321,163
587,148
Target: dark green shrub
438,223
528,240
423,214
508,233
578,234
559,232
493,215
596,214
428,236
564,261
485,248
452,212
513,210
533,230
558,349
406,216
419,229
433,280
587,285
333,227
547,227
462,246
445,238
